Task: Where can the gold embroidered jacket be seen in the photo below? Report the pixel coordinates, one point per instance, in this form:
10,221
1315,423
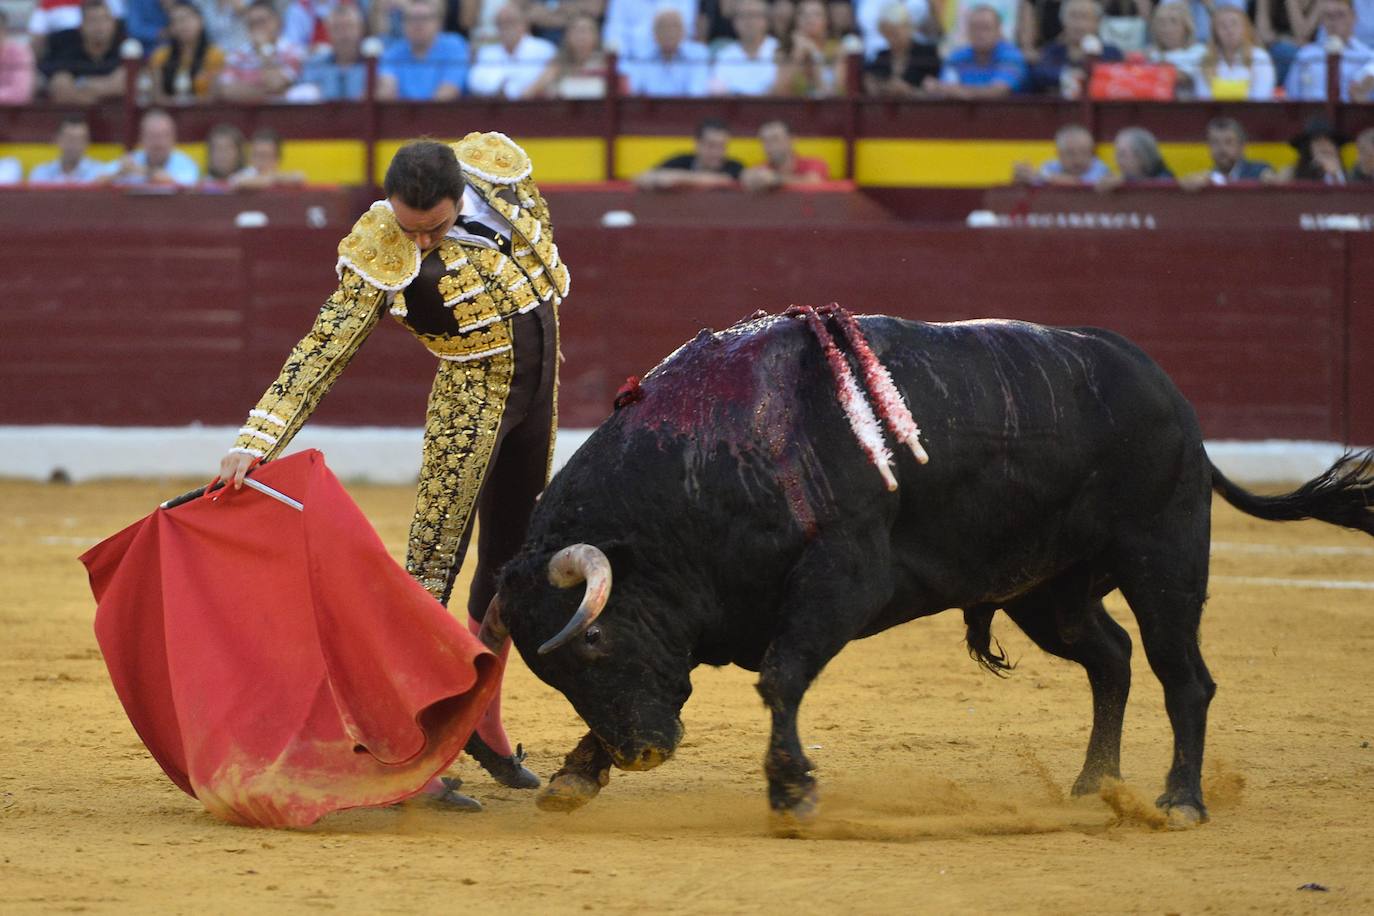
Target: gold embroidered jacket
455,299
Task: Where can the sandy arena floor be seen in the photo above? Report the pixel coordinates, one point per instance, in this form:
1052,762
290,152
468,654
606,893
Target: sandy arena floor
944,789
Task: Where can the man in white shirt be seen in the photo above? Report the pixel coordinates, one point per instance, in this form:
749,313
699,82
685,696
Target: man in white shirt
1306,80
509,66
628,26
676,67
72,166
748,66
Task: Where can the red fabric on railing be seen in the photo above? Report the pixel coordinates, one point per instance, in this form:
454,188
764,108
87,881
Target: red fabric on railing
278,663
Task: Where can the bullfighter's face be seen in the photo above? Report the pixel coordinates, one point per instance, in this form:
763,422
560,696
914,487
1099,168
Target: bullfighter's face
624,674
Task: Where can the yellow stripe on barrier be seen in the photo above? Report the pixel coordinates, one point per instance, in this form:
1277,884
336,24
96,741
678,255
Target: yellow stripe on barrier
879,162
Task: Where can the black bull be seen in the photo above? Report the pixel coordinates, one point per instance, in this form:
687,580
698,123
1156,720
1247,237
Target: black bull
745,525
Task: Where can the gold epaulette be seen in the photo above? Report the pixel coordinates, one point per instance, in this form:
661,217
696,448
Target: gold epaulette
379,251
493,157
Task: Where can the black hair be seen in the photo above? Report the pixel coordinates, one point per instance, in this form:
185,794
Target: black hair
423,173
264,5
168,76
711,124
1224,124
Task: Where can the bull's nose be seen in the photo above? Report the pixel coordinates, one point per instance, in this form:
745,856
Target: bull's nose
646,759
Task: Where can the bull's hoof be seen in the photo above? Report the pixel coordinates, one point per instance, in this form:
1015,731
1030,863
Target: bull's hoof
1185,817
795,820
567,792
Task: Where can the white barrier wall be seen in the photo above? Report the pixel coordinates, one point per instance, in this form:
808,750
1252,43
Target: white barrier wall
392,455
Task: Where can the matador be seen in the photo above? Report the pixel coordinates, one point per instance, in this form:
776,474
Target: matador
461,252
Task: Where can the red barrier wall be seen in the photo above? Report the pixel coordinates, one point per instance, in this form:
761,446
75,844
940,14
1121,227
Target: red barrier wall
121,312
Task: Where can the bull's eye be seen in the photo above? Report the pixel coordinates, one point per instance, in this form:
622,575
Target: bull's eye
593,635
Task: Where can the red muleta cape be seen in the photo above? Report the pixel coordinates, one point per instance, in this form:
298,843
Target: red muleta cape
277,662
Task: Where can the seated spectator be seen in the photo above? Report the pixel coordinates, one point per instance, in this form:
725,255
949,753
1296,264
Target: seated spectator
147,21
223,156
1362,172
748,66
1319,153
1307,77
224,21
812,63
508,67
629,25
989,67
336,72
52,16
156,161
426,65
551,19
900,69
782,166
868,17
707,167
1125,23
11,171
264,164
1062,68
305,23
1362,84
189,64
1279,33
1077,162
16,67
1173,41
674,67
1138,160
1226,144
782,17
1234,67
579,70
263,68
72,165
82,65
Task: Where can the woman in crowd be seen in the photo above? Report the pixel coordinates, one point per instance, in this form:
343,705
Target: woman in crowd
579,70
811,65
1319,154
223,156
186,66
1235,67
1138,159
1173,40
899,69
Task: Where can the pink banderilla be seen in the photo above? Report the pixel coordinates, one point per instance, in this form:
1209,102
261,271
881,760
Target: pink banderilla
878,382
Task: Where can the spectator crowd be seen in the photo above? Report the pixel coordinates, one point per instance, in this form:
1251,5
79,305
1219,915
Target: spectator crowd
71,51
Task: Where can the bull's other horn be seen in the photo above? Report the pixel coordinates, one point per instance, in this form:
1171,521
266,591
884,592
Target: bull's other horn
493,633
571,565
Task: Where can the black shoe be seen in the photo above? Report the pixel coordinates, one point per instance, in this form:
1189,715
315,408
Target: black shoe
508,771
454,800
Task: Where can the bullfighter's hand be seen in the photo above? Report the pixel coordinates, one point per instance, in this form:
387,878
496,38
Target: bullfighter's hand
233,467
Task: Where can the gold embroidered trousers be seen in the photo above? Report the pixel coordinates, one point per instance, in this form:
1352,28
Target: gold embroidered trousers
488,448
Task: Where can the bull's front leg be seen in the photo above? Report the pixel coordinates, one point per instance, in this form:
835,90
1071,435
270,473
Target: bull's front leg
834,587
585,770
792,792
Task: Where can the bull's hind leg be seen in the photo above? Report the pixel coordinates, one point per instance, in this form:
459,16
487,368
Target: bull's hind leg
1165,582
830,593
1103,648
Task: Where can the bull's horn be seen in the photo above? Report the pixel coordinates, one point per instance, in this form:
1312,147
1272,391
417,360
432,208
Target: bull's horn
571,565
493,633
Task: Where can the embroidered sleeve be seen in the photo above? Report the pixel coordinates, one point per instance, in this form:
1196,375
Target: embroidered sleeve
344,322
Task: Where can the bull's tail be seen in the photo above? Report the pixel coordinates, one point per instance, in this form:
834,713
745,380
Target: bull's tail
1342,495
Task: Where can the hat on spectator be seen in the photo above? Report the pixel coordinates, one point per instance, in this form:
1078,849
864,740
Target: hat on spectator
1318,126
